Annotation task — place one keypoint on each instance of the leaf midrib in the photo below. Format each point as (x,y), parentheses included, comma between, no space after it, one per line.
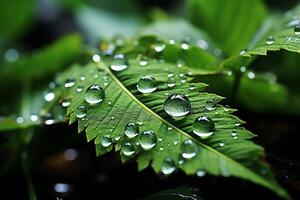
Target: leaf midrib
(104,67)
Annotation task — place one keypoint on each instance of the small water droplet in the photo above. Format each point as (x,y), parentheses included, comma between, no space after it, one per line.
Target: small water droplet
(226,108)
(147,139)
(167,93)
(161,148)
(229,73)
(270,40)
(192,87)
(251,75)
(203,44)
(172,41)
(160,139)
(203,127)
(297,29)
(119,63)
(180,63)
(143,62)
(49,96)
(210,105)
(189,149)
(94,94)
(112,118)
(146,84)
(170,128)
(117,138)
(20,120)
(200,173)
(128,149)
(221,144)
(81,112)
(34,118)
(171,83)
(82,78)
(131,130)
(176,142)
(79,88)
(184,46)
(96,58)
(243,52)
(106,141)
(65,103)
(170,75)
(177,105)
(243,69)
(48,119)
(70,82)
(11,55)
(168,166)
(159,47)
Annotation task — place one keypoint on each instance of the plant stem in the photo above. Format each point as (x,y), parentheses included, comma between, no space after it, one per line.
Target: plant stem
(236,85)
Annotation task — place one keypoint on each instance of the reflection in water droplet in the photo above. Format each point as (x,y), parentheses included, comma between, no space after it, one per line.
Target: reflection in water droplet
(106,141)
(81,112)
(119,63)
(177,105)
(270,40)
(131,130)
(210,105)
(128,149)
(146,84)
(94,94)
(203,127)
(168,166)
(70,82)
(189,149)
(147,139)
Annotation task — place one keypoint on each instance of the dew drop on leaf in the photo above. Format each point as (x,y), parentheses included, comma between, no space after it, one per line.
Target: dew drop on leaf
(20,120)
(177,105)
(94,94)
(49,96)
(128,149)
(146,84)
(143,62)
(48,119)
(96,58)
(210,105)
(79,88)
(270,40)
(119,63)
(168,166)
(106,141)
(81,112)
(65,103)
(70,82)
(203,127)
(200,173)
(147,139)
(34,118)
(297,29)
(131,130)
(189,149)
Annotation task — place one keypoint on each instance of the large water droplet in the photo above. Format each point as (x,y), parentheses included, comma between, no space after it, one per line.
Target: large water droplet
(189,149)
(177,105)
(70,82)
(210,105)
(297,29)
(270,40)
(106,141)
(131,130)
(128,149)
(146,84)
(81,112)
(94,94)
(147,140)
(203,127)
(168,166)
(119,63)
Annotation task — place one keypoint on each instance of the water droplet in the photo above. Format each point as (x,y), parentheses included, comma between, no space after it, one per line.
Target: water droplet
(65,103)
(221,144)
(106,141)
(128,149)
(20,120)
(202,44)
(184,46)
(11,55)
(251,75)
(172,41)
(189,149)
(131,130)
(49,96)
(82,78)
(176,142)
(70,82)
(94,94)
(159,47)
(161,148)
(203,127)
(180,63)
(70,154)
(167,93)
(160,139)
(243,52)
(200,173)
(96,58)
(168,166)
(170,128)
(171,83)
(117,138)
(48,119)
(79,88)
(119,63)
(147,139)
(146,84)
(297,29)
(34,118)
(192,87)
(210,105)
(143,62)
(243,69)
(177,105)
(234,133)
(81,112)
(270,40)
(226,108)
(140,123)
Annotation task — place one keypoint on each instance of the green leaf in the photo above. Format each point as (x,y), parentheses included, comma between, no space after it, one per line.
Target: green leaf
(44,62)
(220,154)
(278,32)
(231,23)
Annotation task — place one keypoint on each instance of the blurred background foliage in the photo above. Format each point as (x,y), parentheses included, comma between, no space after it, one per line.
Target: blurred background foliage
(38,38)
